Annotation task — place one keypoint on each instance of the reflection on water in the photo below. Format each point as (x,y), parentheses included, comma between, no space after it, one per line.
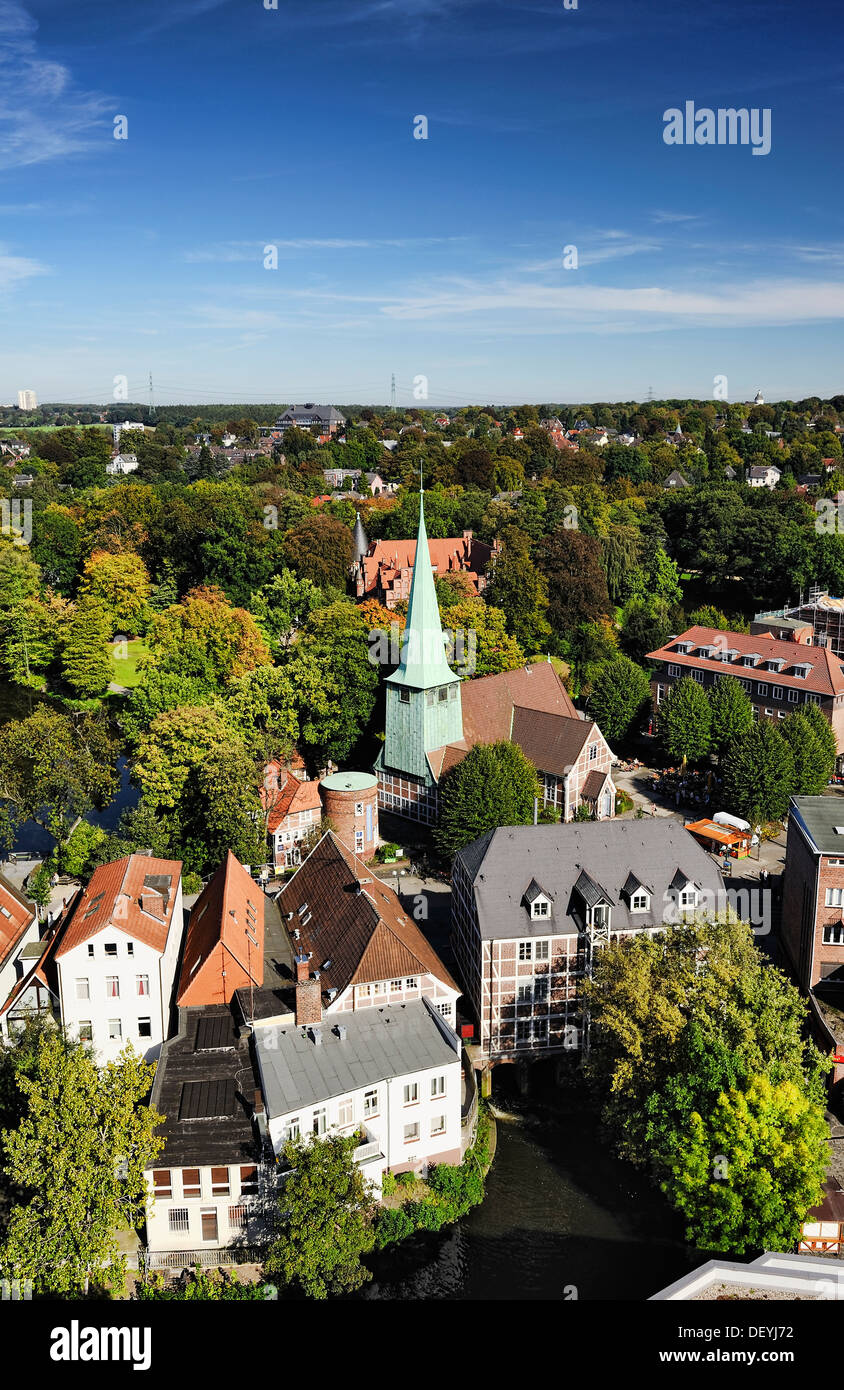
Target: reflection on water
(34,839)
(562,1217)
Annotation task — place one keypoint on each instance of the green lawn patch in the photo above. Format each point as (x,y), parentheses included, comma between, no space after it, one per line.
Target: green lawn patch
(126,664)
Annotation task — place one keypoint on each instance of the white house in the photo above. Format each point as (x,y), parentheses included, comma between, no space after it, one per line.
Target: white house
(122,463)
(763,475)
(391,1075)
(117,953)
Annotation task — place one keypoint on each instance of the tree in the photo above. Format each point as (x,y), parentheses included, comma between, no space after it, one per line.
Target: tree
(121,585)
(225,811)
(813,762)
(56,546)
(495,784)
(333,642)
(78,1157)
(283,605)
(53,769)
(620,695)
(326,1215)
(824,734)
(759,774)
(684,721)
(732,712)
(746,1174)
(520,591)
(86,661)
(482,646)
(173,750)
(577,589)
(320,549)
(204,636)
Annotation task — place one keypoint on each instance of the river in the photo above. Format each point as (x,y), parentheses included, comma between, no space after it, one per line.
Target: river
(562,1217)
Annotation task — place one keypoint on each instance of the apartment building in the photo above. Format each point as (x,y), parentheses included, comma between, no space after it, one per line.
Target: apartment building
(531,905)
(778,675)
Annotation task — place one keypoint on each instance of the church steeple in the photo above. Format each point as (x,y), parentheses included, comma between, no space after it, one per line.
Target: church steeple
(423,663)
(360,538)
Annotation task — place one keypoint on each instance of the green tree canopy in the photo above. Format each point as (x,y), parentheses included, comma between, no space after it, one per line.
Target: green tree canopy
(759,774)
(684,721)
(495,784)
(620,696)
(732,712)
(53,768)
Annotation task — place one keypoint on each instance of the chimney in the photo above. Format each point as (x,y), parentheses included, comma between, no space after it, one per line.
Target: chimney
(302,970)
(308,994)
(259,1101)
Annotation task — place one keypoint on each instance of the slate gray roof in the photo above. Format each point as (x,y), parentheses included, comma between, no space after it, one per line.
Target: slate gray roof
(600,854)
(818,816)
(379,1044)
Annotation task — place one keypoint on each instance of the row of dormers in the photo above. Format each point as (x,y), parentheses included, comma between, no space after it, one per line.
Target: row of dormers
(714,652)
(598,903)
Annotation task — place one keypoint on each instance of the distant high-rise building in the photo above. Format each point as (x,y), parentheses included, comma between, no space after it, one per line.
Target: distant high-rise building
(27,400)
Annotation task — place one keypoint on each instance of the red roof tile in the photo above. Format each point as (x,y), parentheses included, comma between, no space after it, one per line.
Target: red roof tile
(137,895)
(218,954)
(825,675)
(16,917)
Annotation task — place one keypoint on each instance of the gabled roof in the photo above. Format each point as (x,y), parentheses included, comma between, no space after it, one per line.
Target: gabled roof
(218,953)
(590,891)
(16,917)
(291,796)
(137,895)
(534,891)
(553,742)
(352,924)
(825,676)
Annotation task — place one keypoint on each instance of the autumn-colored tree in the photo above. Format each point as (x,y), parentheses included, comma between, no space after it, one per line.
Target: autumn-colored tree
(121,585)
(320,549)
(206,637)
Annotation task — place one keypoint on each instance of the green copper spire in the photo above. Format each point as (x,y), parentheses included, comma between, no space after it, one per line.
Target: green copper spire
(423,663)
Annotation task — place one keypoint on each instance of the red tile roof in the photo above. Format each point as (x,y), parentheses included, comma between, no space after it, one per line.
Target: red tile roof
(350,918)
(385,560)
(290,796)
(825,675)
(16,917)
(136,895)
(218,954)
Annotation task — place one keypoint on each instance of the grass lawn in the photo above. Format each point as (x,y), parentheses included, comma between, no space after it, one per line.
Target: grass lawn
(126,667)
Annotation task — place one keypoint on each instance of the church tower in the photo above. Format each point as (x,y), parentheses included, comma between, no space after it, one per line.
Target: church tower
(423,711)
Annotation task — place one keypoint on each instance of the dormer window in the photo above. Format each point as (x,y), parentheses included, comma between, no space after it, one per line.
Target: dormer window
(801,671)
(640,902)
(750,659)
(688,897)
(540,907)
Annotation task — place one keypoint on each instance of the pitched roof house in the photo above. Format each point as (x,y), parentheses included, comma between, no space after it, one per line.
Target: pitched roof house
(360,943)
(385,572)
(19,945)
(224,945)
(531,903)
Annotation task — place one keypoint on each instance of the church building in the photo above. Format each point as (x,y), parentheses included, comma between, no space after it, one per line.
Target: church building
(433,719)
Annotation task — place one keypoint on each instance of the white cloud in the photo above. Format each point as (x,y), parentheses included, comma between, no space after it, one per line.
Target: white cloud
(42,114)
(15,269)
(232,251)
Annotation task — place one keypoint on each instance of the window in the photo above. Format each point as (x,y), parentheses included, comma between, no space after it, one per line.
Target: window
(249,1178)
(130,948)
(320,1120)
(209,1224)
(688,897)
(776,691)
(291,1129)
(142,983)
(370,1103)
(411,982)
(763,689)
(380,987)
(220,1182)
(452,692)
(404,696)
(444,1010)
(438,1124)
(442,694)
(111,948)
(835,863)
(112,987)
(794,696)
(525,950)
(237,1218)
(524,994)
(345,1113)
(834,897)
(82,990)
(395,984)
(190,1183)
(86,1032)
(90,949)
(697,675)
(437,1086)
(144,1027)
(523,1032)
(115,1029)
(179,1219)
(833,935)
(769,713)
(540,988)
(674,670)
(411,1133)
(358,808)
(411,1093)
(593,752)
(540,950)
(429,697)
(162,1182)
(540,908)
(358,841)
(639,902)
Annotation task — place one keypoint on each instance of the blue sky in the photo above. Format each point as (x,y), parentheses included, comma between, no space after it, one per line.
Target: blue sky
(440,258)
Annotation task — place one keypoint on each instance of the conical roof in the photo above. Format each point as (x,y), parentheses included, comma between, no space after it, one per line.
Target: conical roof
(361,539)
(423,663)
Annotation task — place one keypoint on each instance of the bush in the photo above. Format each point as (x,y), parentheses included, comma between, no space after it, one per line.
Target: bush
(405,1179)
(388,1185)
(392,1224)
(191,883)
(623,802)
(388,851)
